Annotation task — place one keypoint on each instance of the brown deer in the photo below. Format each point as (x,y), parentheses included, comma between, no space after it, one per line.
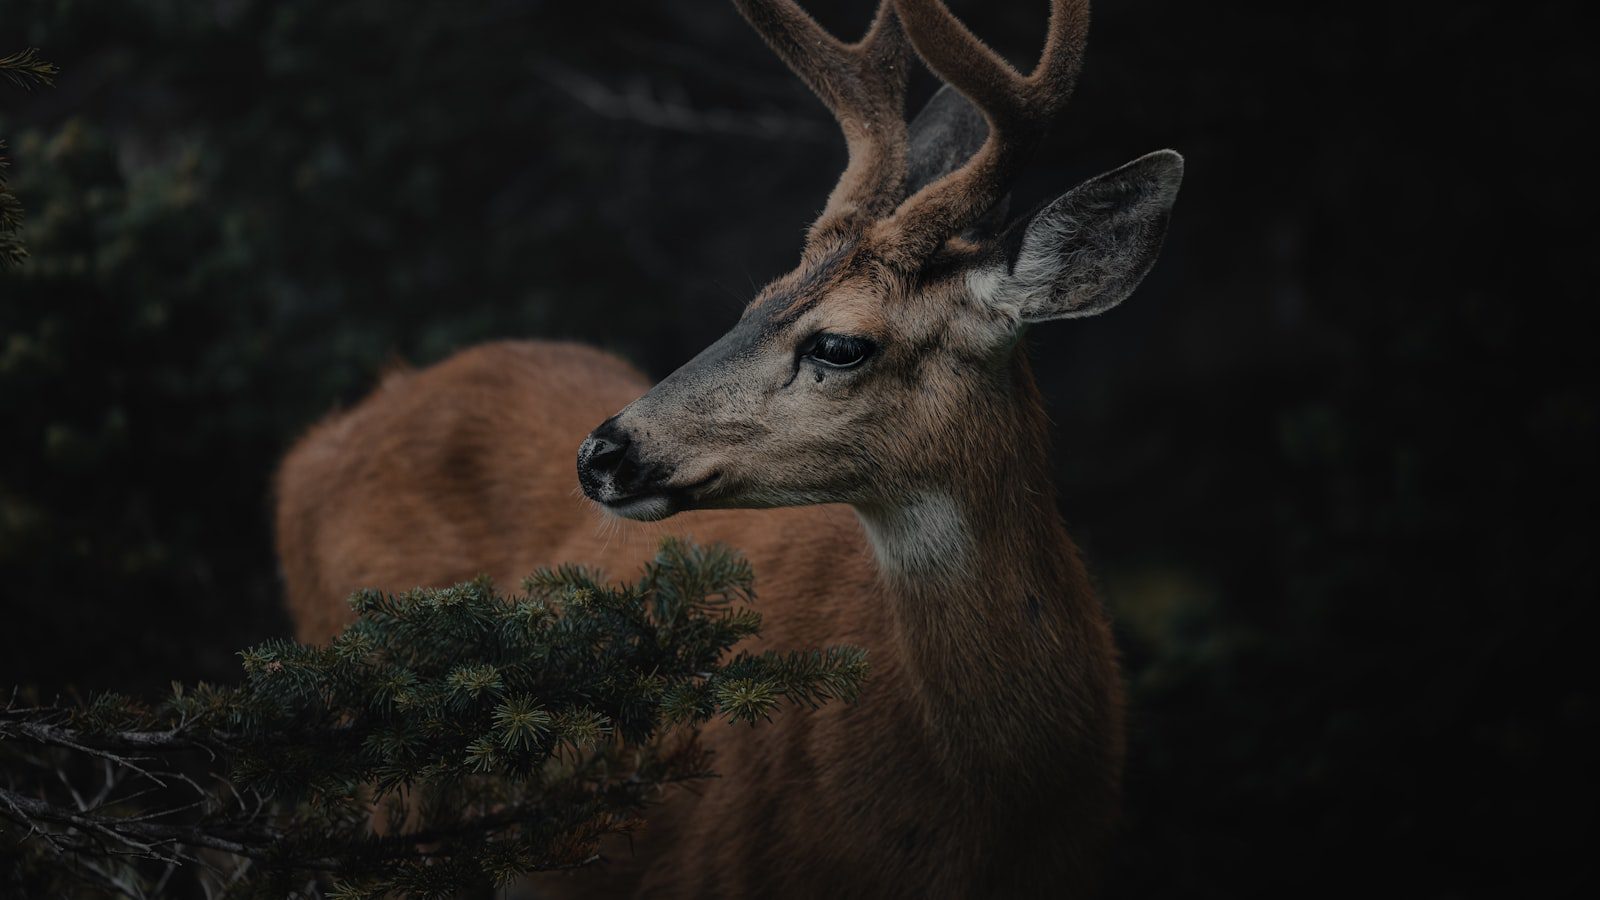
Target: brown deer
(876,405)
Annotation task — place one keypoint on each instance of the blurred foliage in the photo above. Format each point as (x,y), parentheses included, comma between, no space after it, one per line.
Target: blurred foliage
(489,737)
(1333,462)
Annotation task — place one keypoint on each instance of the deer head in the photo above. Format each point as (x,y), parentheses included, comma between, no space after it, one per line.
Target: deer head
(888,361)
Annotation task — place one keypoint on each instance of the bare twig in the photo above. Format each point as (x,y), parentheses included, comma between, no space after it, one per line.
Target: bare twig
(656,106)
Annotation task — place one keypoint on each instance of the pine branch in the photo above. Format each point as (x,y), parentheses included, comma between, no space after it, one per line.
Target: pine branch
(26,70)
(495,736)
(12,252)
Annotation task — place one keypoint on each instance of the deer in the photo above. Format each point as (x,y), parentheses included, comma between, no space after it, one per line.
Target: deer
(870,436)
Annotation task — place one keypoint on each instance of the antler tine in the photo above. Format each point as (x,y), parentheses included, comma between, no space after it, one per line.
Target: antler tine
(1018,108)
(862,84)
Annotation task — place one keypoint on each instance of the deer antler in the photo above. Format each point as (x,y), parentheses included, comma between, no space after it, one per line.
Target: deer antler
(1018,108)
(863,85)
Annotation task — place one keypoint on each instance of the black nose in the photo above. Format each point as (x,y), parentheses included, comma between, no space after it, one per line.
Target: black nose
(604,454)
(606,462)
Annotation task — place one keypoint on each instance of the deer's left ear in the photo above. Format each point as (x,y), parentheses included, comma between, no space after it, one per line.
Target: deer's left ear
(1088,250)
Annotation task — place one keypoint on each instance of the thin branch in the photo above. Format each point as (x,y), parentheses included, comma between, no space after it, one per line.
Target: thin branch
(62,737)
(138,835)
(643,104)
(113,741)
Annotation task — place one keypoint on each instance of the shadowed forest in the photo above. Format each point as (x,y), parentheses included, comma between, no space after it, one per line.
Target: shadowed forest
(1333,464)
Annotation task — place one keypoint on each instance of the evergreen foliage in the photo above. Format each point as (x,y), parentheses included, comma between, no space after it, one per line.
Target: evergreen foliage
(449,739)
(24,69)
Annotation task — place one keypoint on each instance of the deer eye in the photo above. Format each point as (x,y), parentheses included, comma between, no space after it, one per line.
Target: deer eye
(838,351)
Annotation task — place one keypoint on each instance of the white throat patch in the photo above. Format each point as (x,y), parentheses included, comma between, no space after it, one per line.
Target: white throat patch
(928,535)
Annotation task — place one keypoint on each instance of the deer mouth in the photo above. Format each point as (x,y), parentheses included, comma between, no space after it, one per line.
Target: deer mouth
(657,504)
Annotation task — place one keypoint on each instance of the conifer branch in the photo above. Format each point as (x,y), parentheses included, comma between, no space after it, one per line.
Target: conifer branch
(448,739)
(25,70)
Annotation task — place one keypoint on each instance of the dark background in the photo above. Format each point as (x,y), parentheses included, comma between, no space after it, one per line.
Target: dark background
(1333,464)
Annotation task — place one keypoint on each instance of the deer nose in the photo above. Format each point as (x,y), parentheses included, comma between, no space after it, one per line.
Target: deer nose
(604,465)
(603,454)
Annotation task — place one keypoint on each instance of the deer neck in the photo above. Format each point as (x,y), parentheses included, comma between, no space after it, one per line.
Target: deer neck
(1005,648)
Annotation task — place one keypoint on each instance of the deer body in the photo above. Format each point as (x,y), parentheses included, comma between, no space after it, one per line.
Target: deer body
(986,747)
(869,435)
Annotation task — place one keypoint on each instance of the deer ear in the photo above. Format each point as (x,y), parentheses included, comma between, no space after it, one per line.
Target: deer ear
(946,134)
(1088,250)
(942,137)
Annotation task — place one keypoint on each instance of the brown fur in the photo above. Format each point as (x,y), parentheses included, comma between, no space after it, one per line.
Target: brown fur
(863,85)
(1018,109)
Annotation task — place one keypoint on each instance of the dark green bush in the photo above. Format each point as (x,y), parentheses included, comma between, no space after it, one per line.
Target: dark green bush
(497,736)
